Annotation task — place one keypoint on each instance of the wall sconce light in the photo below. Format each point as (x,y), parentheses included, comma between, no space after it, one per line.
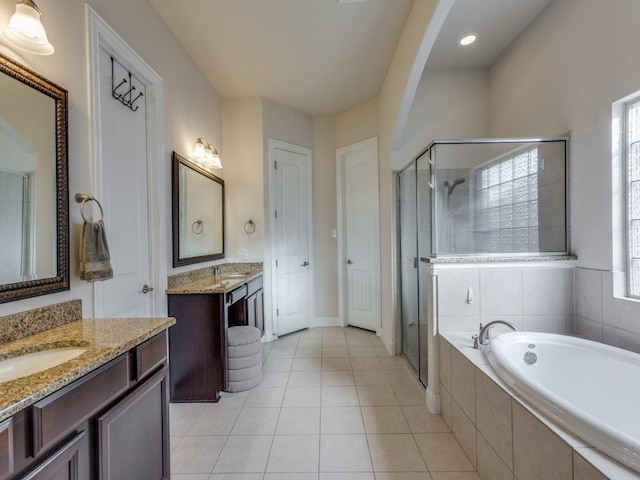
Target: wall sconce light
(25,29)
(207,152)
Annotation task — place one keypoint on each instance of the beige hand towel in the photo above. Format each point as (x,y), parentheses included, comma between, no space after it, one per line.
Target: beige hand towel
(95,261)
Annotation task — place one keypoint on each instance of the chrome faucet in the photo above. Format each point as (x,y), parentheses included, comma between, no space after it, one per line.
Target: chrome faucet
(483,337)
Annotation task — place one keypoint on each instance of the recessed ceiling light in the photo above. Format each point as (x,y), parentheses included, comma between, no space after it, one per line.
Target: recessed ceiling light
(468,39)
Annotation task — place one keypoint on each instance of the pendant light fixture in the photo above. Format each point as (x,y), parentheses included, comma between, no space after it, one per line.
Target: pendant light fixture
(25,29)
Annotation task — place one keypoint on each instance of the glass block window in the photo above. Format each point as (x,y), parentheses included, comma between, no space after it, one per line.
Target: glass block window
(506,207)
(633,196)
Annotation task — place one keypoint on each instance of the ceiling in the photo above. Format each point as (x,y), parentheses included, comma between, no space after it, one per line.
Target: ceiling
(322,57)
(316,56)
(498,24)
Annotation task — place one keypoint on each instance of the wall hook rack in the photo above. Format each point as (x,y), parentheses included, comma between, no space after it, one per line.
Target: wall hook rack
(127,92)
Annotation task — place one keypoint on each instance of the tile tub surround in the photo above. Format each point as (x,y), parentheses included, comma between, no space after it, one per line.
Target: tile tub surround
(602,313)
(509,439)
(104,340)
(207,273)
(535,296)
(23,324)
(324,411)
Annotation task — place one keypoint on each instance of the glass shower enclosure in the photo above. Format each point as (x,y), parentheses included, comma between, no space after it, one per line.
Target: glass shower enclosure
(470,198)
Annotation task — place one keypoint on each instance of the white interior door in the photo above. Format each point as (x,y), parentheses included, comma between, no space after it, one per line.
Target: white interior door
(292,238)
(124,197)
(129,168)
(361,234)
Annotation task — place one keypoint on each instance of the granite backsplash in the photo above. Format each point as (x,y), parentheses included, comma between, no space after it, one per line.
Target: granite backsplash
(23,324)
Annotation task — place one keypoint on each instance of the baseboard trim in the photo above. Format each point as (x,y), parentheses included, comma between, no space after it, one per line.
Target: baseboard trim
(268,336)
(388,343)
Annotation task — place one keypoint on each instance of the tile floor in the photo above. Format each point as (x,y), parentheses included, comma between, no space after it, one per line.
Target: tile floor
(332,405)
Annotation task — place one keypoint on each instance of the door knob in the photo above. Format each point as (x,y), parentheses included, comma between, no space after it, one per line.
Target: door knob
(146,289)
(349,262)
(305,264)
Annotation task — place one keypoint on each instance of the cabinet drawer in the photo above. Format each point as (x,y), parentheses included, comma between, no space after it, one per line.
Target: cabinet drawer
(6,448)
(237,294)
(254,285)
(151,354)
(61,412)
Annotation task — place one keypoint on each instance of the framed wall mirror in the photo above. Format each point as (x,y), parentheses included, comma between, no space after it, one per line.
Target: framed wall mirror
(34,192)
(198,213)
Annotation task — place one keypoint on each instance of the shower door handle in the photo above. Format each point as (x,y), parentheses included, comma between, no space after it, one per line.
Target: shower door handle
(432,182)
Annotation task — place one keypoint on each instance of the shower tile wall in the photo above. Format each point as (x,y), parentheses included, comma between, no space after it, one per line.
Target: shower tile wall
(551,198)
(532,298)
(454,216)
(602,317)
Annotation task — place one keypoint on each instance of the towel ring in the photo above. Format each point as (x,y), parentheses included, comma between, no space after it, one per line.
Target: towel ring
(197,227)
(249,227)
(82,199)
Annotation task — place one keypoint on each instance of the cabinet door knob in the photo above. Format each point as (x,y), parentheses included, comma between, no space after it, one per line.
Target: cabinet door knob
(146,289)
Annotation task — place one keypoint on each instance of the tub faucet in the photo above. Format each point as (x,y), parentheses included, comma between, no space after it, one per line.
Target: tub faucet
(485,332)
(476,344)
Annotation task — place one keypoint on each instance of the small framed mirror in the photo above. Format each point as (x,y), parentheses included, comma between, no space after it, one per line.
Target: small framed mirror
(34,192)
(198,213)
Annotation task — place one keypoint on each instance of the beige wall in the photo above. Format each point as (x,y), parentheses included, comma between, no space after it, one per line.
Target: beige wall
(356,124)
(192,107)
(244,185)
(325,219)
(391,102)
(561,76)
(448,104)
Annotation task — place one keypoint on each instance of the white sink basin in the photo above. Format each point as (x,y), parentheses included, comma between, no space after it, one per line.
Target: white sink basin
(31,363)
(235,275)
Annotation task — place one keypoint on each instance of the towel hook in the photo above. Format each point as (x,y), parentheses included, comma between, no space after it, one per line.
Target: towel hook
(83,198)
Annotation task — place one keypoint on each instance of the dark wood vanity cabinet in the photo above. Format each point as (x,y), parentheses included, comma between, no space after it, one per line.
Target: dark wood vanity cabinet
(254,304)
(131,439)
(198,340)
(111,424)
(197,345)
(69,462)
(6,448)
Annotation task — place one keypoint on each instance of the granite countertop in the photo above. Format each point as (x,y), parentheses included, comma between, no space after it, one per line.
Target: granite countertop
(104,339)
(222,283)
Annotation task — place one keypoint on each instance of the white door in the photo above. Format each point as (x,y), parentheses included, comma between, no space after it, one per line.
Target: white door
(292,238)
(129,175)
(123,176)
(361,234)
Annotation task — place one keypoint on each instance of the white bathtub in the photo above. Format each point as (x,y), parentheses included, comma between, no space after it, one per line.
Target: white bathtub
(591,389)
